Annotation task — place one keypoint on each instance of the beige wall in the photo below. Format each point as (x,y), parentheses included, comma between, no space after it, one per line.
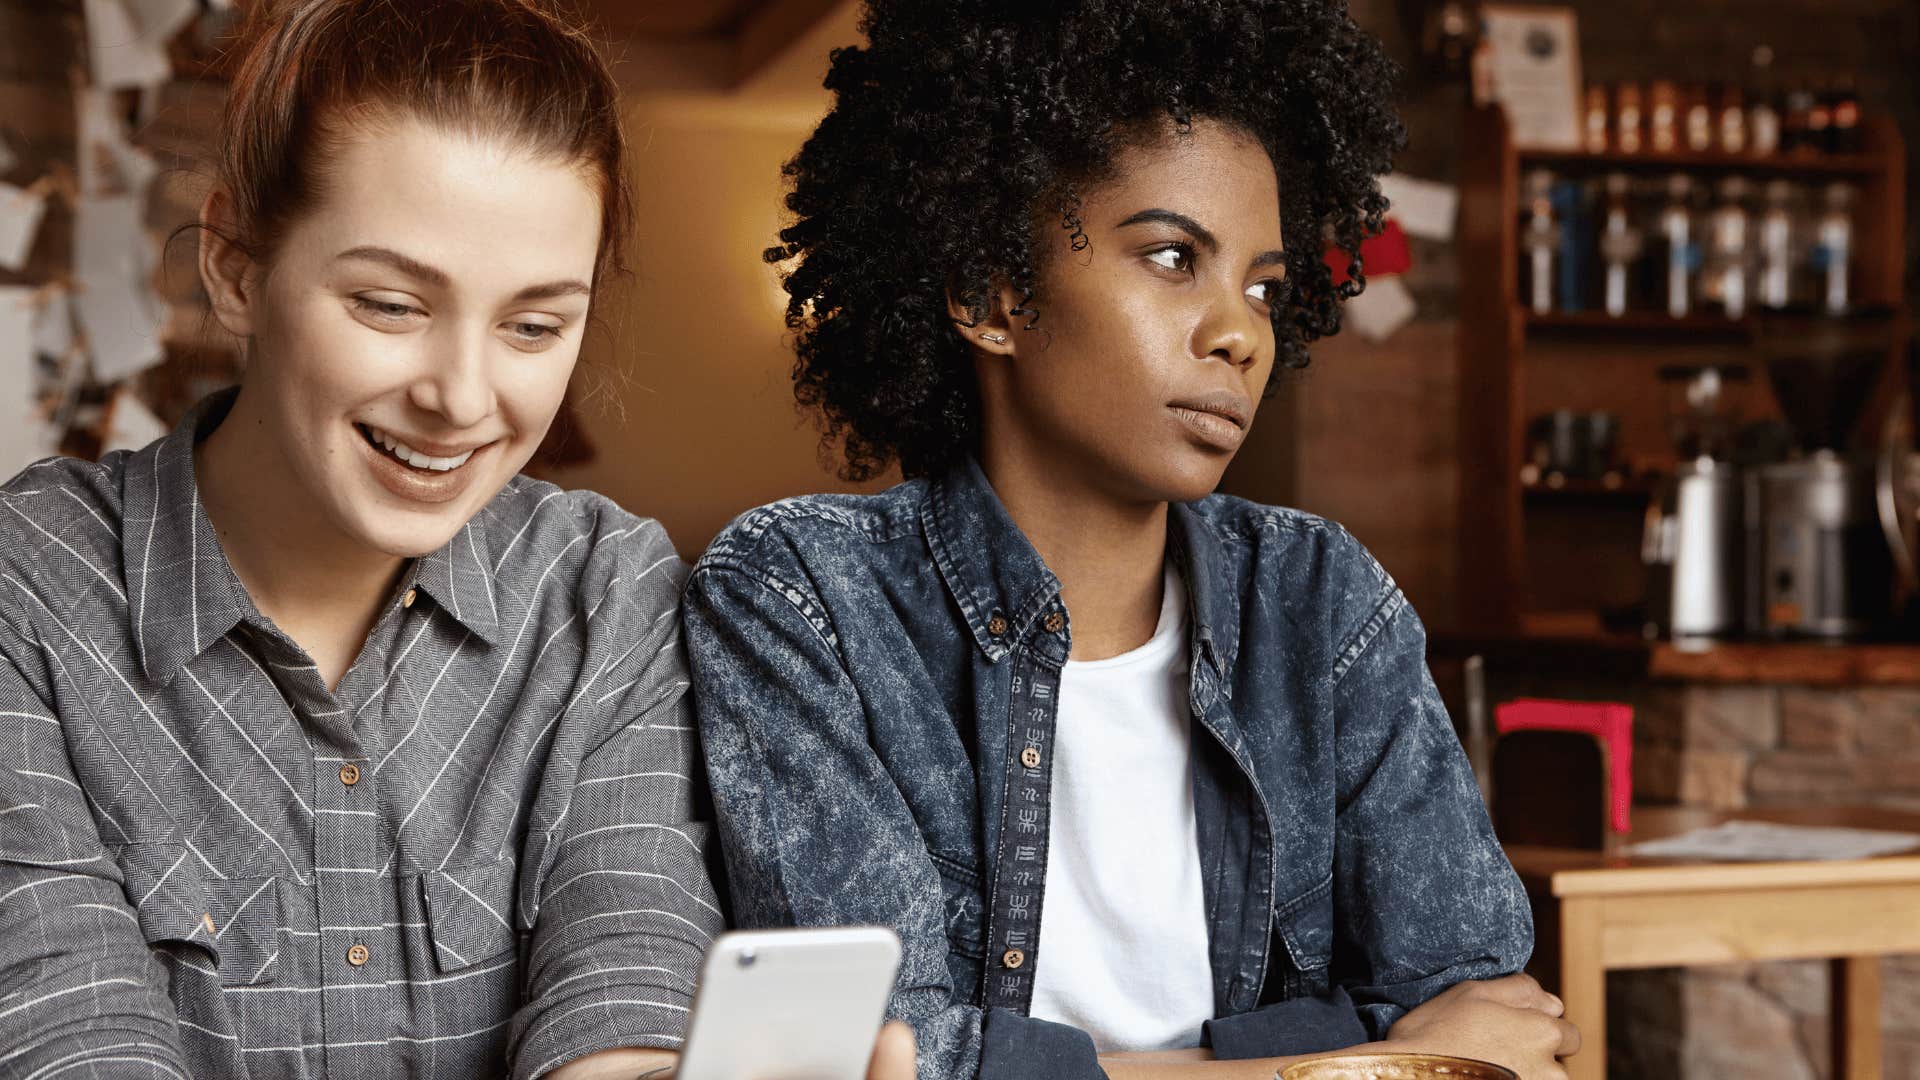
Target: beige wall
(700,422)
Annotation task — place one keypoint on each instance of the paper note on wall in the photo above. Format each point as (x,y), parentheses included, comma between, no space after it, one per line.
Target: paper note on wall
(159,20)
(109,164)
(23,439)
(20,215)
(121,55)
(53,325)
(113,260)
(1384,307)
(1423,208)
(130,424)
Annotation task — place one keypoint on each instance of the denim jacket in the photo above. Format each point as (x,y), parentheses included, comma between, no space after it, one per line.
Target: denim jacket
(875,683)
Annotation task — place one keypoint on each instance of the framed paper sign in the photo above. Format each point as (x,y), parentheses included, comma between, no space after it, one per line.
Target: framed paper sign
(1532,58)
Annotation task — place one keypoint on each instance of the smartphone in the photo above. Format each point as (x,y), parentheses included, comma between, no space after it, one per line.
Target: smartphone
(790,1004)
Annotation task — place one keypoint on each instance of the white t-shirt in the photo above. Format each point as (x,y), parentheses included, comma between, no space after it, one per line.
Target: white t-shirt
(1123,932)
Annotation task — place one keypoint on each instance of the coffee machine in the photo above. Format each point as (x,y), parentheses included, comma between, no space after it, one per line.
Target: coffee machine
(1818,559)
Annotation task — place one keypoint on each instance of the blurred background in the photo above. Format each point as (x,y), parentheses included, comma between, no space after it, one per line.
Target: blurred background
(1624,408)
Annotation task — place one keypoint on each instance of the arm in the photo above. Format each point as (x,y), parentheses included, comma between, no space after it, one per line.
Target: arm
(78,986)
(814,828)
(1424,896)
(626,909)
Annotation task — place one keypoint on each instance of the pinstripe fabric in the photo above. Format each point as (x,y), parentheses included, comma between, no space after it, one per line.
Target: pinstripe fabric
(184,873)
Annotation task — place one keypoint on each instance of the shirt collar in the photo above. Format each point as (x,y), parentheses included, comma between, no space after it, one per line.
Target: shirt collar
(991,569)
(994,572)
(184,594)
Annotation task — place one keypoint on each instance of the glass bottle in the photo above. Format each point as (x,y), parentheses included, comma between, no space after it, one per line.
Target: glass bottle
(1774,287)
(1726,275)
(1680,257)
(1833,247)
(1539,241)
(1620,244)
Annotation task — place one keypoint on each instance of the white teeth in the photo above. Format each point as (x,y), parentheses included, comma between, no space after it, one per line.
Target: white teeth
(414,457)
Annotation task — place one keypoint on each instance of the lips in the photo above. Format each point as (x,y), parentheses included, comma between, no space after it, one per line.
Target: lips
(1218,419)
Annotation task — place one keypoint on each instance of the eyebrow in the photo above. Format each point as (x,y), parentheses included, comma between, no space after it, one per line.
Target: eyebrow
(420,271)
(1200,233)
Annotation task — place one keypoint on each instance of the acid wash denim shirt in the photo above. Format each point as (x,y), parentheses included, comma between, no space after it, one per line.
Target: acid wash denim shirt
(875,683)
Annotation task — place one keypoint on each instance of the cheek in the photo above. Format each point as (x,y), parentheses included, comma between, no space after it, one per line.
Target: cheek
(530,389)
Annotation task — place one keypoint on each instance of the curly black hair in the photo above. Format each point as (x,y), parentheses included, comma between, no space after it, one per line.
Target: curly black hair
(966,127)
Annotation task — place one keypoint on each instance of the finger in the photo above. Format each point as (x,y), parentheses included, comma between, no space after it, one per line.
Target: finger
(1569,1039)
(1517,991)
(893,1053)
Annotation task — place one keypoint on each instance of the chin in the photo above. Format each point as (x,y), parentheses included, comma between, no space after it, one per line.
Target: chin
(1184,476)
(407,535)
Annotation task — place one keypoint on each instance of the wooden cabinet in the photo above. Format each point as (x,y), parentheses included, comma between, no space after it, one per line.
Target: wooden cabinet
(1529,551)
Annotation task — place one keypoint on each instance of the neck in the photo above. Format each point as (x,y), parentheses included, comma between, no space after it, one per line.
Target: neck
(321,588)
(1108,552)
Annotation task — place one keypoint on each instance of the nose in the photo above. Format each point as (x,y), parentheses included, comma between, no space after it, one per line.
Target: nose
(456,383)
(1230,329)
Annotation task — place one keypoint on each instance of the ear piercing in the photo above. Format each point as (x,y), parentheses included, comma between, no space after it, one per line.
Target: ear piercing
(997,339)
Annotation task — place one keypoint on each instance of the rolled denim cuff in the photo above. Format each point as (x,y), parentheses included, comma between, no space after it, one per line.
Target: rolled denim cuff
(1015,1047)
(1301,1026)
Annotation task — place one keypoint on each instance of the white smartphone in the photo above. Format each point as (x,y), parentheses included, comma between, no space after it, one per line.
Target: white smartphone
(790,1004)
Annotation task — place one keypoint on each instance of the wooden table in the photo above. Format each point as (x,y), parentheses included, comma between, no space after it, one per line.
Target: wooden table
(1598,912)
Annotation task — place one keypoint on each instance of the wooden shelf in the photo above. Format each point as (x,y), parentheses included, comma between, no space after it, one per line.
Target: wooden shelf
(1634,489)
(1637,324)
(1795,164)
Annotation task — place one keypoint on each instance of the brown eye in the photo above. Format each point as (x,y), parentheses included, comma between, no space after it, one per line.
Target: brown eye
(1176,257)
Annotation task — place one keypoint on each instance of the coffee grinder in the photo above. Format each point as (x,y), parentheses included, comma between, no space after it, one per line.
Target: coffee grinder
(1819,564)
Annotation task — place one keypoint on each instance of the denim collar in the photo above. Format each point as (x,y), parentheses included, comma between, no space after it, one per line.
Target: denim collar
(993,571)
(182,590)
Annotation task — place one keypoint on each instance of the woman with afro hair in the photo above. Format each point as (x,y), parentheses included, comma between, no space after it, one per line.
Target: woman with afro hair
(1150,781)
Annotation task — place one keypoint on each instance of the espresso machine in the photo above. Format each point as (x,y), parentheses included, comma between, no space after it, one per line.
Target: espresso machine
(1820,555)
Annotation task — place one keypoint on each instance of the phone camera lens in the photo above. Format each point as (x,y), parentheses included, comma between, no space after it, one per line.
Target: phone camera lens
(747,957)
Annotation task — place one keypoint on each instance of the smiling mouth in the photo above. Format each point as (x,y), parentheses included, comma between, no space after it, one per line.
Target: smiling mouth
(407,455)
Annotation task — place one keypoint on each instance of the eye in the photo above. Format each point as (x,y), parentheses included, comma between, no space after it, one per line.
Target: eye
(530,336)
(1270,291)
(1175,257)
(386,311)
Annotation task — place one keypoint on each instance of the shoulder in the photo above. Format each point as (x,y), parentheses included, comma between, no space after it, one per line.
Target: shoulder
(60,531)
(794,534)
(1308,564)
(537,532)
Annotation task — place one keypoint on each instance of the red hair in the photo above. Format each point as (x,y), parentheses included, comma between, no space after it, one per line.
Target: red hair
(513,70)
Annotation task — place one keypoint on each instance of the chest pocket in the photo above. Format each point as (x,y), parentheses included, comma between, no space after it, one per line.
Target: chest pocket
(184,909)
(1304,926)
(470,912)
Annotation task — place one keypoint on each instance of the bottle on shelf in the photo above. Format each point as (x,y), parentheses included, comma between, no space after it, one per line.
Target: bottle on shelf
(1819,119)
(1774,286)
(1699,118)
(1539,239)
(1796,133)
(1663,114)
(1844,106)
(1620,244)
(1628,116)
(1725,284)
(1679,254)
(1833,247)
(1763,111)
(1596,119)
(1731,128)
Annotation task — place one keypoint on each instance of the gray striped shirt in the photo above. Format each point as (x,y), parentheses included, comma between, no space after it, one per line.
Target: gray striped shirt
(475,857)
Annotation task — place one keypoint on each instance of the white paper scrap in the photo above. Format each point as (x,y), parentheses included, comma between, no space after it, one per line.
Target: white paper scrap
(108,161)
(53,326)
(1760,841)
(113,260)
(23,440)
(1422,207)
(1381,309)
(122,56)
(20,214)
(130,424)
(159,20)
